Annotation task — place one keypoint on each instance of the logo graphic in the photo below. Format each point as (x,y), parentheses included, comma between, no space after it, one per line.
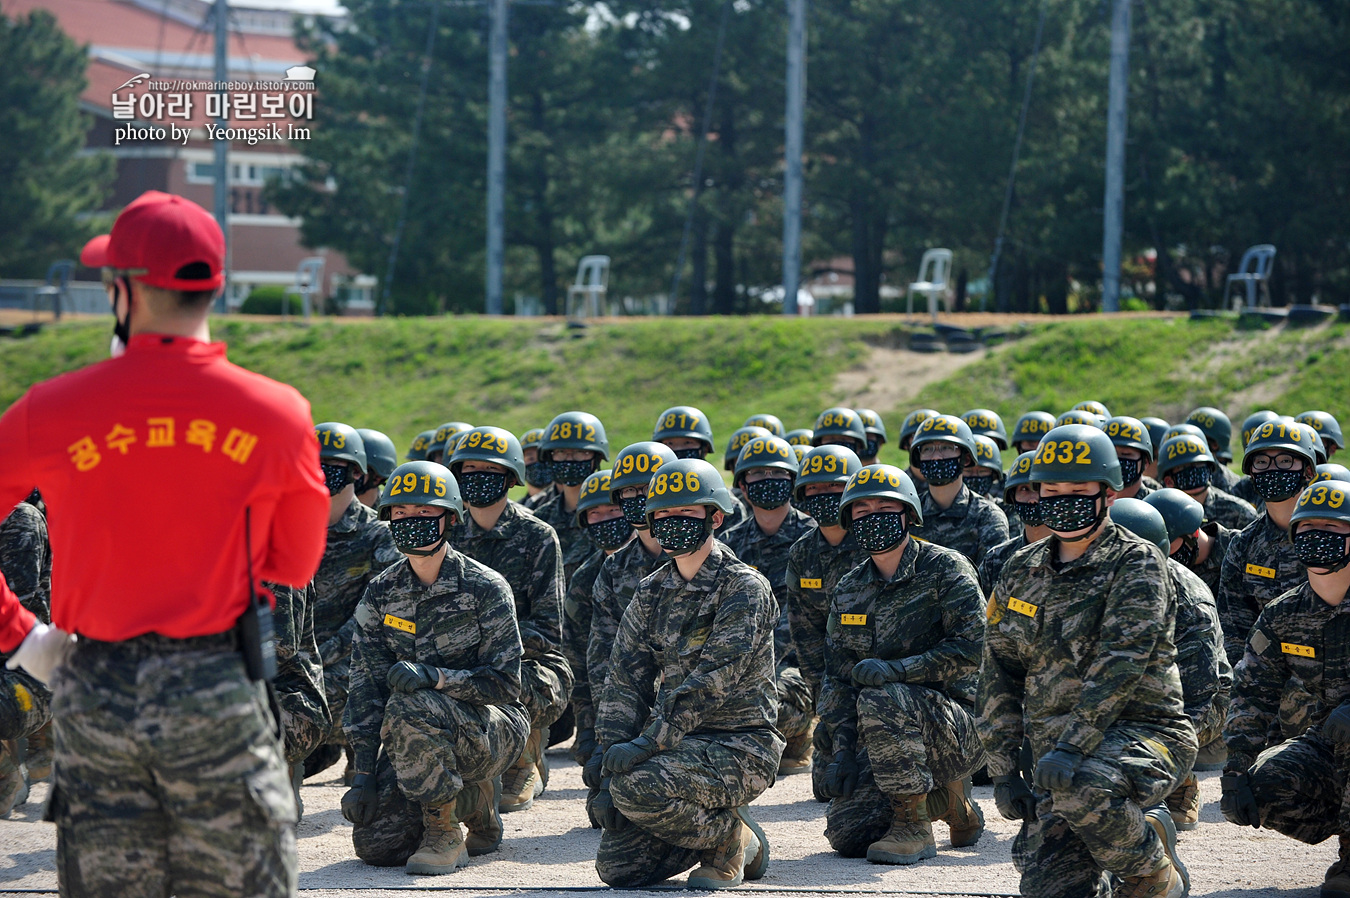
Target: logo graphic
(134,81)
(300,73)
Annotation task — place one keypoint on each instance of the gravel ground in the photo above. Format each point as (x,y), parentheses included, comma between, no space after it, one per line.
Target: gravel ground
(550,850)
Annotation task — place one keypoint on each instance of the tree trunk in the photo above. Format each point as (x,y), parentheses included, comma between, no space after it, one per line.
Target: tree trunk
(724,287)
(698,278)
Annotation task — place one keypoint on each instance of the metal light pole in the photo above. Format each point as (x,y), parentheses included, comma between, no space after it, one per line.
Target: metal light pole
(1113,210)
(221,168)
(792,178)
(496,172)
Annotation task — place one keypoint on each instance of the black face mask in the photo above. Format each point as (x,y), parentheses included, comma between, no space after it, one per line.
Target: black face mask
(769,493)
(824,507)
(880,531)
(611,534)
(1195,478)
(572,473)
(691,453)
(681,535)
(1131,469)
(1067,514)
(418,535)
(539,474)
(1031,513)
(1278,486)
(635,511)
(1187,552)
(336,477)
(482,488)
(873,447)
(981,485)
(1322,549)
(940,471)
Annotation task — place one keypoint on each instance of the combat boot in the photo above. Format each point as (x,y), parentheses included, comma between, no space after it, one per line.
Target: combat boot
(797,756)
(953,805)
(39,758)
(541,757)
(743,856)
(521,784)
(1184,804)
(1337,883)
(13,782)
(477,807)
(1170,880)
(442,849)
(910,838)
(1212,756)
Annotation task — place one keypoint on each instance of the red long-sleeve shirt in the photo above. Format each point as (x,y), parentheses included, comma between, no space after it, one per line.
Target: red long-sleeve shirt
(15,620)
(147,463)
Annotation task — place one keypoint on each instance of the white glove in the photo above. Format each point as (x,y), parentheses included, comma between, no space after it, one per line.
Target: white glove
(42,651)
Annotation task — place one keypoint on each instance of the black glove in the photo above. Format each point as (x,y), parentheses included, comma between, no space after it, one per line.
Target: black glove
(1014,798)
(875,672)
(593,772)
(1337,725)
(585,746)
(1238,804)
(608,815)
(1056,767)
(532,640)
(625,756)
(360,802)
(841,774)
(405,676)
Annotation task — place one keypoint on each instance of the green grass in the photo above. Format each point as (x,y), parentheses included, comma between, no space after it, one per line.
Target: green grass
(407,375)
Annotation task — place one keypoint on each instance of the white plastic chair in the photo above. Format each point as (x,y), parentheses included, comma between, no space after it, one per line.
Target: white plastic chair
(933,270)
(590,288)
(1254,275)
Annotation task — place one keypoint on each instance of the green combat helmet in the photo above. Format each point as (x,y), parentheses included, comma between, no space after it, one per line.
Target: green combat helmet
(1076,453)
(1332,472)
(340,447)
(441,444)
(1080,416)
(841,424)
(824,464)
(1093,406)
(687,423)
(802,436)
(381,456)
(490,444)
(1030,428)
(1327,427)
(1142,519)
(421,483)
(767,452)
(880,482)
(1255,420)
(574,430)
(537,473)
(771,423)
(1182,514)
(985,422)
(418,450)
(738,440)
(1131,433)
(686,481)
(1217,428)
(1186,449)
(595,492)
(1157,431)
(911,424)
(633,468)
(875,429)
(987,455)
(1177,430)
(1322,549)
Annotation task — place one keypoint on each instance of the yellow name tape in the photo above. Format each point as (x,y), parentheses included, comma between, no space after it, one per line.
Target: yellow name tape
(399,623)
(853,620)
(1022,607)
(1305,651)
(808,583)
(1267,572)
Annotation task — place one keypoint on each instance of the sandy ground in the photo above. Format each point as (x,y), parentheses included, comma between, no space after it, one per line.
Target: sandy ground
(550,850)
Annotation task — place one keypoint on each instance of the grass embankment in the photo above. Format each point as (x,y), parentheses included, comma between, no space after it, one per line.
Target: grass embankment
(407,375)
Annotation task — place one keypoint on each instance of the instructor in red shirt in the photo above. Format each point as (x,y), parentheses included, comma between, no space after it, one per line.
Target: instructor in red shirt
(169,776)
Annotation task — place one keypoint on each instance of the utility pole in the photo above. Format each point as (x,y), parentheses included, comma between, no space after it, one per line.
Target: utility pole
(221,168)
(792,176)
(1113,209)
(496,169)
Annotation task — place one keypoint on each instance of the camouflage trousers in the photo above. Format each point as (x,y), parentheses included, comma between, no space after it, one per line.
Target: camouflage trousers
(168,774)
(303,727)
(25,708)
(336,677)
(1098,822)
(911,740)
(433,745)
(680,803)
(544,690)
(1303,788)
(796,709)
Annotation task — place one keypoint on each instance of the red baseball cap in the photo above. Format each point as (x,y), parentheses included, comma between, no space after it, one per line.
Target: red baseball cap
(160,234)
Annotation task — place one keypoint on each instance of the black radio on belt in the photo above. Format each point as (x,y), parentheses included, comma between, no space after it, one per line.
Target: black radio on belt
(256,635)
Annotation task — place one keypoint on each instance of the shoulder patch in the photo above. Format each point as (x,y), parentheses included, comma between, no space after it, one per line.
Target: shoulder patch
(363,614)
(1259,642)
(992,612)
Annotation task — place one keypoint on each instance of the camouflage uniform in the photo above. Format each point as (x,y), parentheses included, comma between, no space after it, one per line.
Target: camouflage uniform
(577,615)
(769,556)
(1225,478)
(1245,489)
(216,746)
(1301,784)
(1258,567)
(972,524)
(525,551)
(435,741)
(912,737)
(1206,675)
(692,668)
(359,547)
(738,514)
(25,703)
(1082,653)
(1210,569)
(539,498)
(305,720)
(1228,509)
(618,580)
(576,546)
(991,566)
